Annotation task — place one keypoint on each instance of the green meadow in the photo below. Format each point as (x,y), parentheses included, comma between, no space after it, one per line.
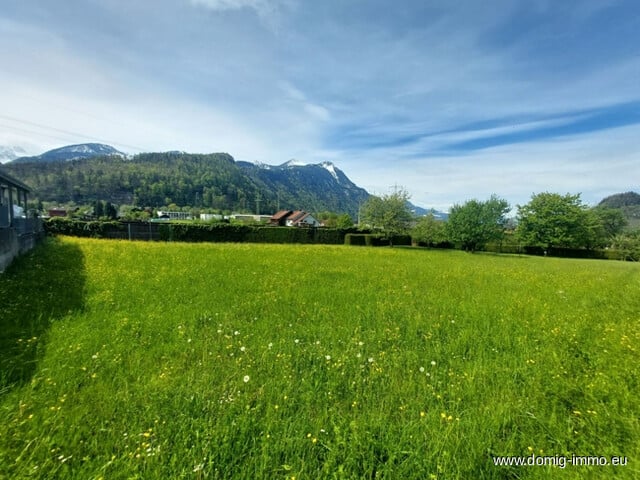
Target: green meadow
(132,360)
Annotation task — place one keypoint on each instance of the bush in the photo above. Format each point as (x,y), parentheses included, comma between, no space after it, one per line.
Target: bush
(78,228)
(198,232)
(368,239)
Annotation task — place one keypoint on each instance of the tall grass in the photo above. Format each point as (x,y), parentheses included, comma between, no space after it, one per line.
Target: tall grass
(154,360)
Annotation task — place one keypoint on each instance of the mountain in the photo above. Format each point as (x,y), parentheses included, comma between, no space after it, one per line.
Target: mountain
(628,203)
(619,200)
(10,153)
(73,152)
(314,187)
(212,181)
(85,173)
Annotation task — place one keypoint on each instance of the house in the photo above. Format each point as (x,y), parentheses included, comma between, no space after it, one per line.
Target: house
(297,218)
(174,215)
(208,217)
(278,219)
(57,212)
(18,232)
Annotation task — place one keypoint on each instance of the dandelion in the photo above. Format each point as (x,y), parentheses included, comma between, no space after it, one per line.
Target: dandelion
(245,379)
(242,349)
(328,357)
(433,363)
(236,332)
(370,360)
(421,369)
(296,341)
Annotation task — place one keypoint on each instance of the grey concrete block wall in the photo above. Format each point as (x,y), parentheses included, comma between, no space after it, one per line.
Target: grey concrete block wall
(9,247)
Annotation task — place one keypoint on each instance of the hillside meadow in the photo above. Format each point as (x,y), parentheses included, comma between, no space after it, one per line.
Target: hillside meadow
(132,360)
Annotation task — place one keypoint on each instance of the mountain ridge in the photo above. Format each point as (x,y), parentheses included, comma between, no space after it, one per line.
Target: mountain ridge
(69,174)
(72,152)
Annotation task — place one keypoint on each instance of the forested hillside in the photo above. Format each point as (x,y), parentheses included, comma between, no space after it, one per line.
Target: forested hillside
(213,181)
(628,203)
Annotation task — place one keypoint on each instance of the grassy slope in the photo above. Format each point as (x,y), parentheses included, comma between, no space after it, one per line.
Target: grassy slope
(389,363)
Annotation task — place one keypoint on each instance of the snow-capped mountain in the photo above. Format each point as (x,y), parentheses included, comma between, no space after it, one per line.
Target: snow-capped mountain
(293,163)
(74,152)
(316,184)
(11,153)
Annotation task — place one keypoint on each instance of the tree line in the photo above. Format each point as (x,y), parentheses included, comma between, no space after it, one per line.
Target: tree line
(548,221)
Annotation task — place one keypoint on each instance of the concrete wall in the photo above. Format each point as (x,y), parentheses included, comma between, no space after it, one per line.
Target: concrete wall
(12,244)
(9,247)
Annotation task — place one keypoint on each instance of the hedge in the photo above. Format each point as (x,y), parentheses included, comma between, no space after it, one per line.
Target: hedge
(376,239)
(195,232)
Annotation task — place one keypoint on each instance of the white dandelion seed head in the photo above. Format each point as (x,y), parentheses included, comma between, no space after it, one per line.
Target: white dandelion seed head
(245,379)
(421,369)
(433,363)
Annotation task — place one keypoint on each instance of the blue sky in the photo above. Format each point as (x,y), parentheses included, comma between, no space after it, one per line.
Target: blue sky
(451,99)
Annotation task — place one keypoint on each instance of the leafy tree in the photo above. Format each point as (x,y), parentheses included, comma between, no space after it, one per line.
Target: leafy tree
(110,211)
(391,213)
(612,220)
(98,209)
(628,245)
(475,223)
(429,231)
(554,220)
(344,221)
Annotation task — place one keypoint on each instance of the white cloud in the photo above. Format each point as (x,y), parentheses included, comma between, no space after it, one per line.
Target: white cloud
(269,11)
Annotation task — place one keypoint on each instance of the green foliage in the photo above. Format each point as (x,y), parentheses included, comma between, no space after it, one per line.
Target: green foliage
(80,228)
(429,231)
(376,240)
(366,239)
(627,246)
(213,181)
(390,213)
(335,220)
(620,200)
(554,220)
(612,221)
(198,232)
(475,223)
(152,360)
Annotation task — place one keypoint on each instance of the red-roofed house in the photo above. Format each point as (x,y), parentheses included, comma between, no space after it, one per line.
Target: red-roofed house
(298,218)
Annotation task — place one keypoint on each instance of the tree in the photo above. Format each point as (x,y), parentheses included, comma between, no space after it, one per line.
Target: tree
(98,209)
(628,245)
(554,220)
(612,220)
(391,213)
(344,221)
(110,211)
(429,231)
(475,223)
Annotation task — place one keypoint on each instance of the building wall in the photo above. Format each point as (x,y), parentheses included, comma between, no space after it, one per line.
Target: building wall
(9,247)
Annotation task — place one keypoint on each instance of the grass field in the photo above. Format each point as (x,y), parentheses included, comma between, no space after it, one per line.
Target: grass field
(153,360)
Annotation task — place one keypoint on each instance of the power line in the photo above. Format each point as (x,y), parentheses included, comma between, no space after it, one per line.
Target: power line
(65,132)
